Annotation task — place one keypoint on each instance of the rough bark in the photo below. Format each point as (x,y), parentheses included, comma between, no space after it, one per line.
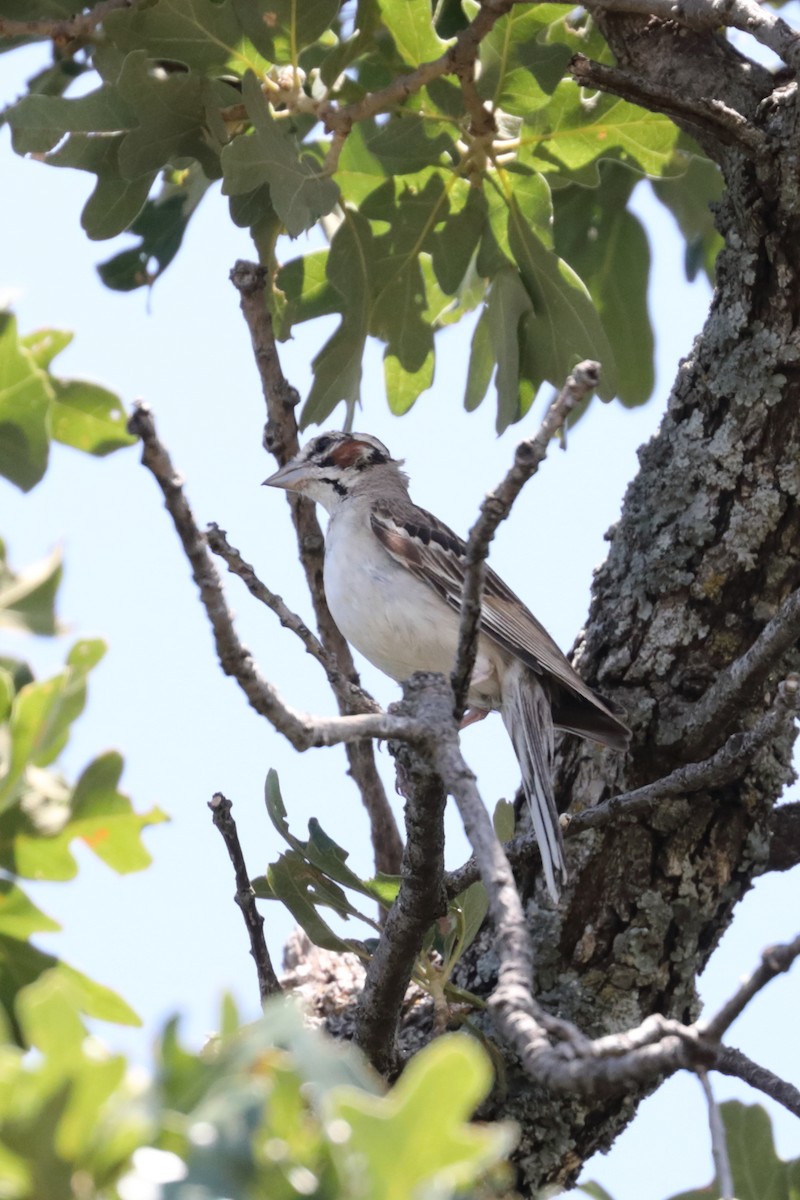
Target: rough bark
(704,554)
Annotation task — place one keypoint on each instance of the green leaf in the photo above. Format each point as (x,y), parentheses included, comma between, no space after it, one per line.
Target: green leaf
(115,201)
(296,886)
(203,34)
(408,367)
(519,69)
(35,840)
(411,26)
(41,716)
(19,916)
(406,143)
(27,599)
(160,227)
(89,418)
(390,1135)
(508,303)
(504,820)
(565,327)
(758,1172)
(21,964)
(177,116)
(44,344)
(25,395)
(573,132)
(350,269)
(482,362)
(39,122)
(300,192)
(689,197)
(608,247)
(280,29)
(455,243)
(307,291)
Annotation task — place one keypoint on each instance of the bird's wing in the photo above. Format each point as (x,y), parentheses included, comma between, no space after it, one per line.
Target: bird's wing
(434,554)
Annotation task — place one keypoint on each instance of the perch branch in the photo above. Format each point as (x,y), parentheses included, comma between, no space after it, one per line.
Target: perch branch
(774,961)
(420,901)
(280,439)
(723,700)
(496,507)
(730,1061)
(268,984)
(78,26)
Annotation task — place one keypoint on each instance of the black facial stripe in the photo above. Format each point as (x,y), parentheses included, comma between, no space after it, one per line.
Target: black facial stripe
(336,484)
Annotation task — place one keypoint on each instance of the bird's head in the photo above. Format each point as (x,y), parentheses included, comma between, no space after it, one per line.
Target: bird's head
(334,466)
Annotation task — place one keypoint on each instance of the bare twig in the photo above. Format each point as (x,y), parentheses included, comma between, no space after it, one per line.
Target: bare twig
(217,539)
(774,961)
(79,26)
(496,507)
(268,984)
(420,901)
(730,1061)
(721,703)
(719,1142)
(704,112)
(707,15)
(280,439)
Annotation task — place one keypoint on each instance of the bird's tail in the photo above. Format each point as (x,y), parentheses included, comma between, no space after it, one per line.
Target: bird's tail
(529,721)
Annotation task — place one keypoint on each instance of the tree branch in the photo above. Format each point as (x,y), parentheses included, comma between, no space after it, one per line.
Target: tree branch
(78,26)
(719,1142)
(217,539)
(707,15)
(721,703)
(730,1061)
(727,764)
(268,984)
(420,901)
(774,961)
(280,439)
(709,114)
(496,507)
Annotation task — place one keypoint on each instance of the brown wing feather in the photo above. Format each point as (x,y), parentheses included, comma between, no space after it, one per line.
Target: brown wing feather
(434,554)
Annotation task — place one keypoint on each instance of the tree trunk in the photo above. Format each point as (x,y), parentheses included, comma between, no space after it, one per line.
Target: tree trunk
(704,554)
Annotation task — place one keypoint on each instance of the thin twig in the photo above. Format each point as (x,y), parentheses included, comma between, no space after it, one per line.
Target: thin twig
(217,539)
(730,1061)
(280,439)
(268,984)
(774,961)
(719,1142)
(420,901)
(57,28)
(496,507)
(722,702)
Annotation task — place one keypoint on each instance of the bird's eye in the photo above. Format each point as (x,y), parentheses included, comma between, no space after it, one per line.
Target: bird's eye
(322,444)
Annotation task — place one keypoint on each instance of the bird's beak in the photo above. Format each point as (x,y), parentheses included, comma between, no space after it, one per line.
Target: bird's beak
(291,476)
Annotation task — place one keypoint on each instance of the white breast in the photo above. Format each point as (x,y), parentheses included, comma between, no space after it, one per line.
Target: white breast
(397,622)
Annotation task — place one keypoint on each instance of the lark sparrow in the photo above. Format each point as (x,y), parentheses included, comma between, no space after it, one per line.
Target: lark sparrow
(393,576)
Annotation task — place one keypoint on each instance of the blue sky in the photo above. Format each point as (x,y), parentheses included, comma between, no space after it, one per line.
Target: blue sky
(171,939)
